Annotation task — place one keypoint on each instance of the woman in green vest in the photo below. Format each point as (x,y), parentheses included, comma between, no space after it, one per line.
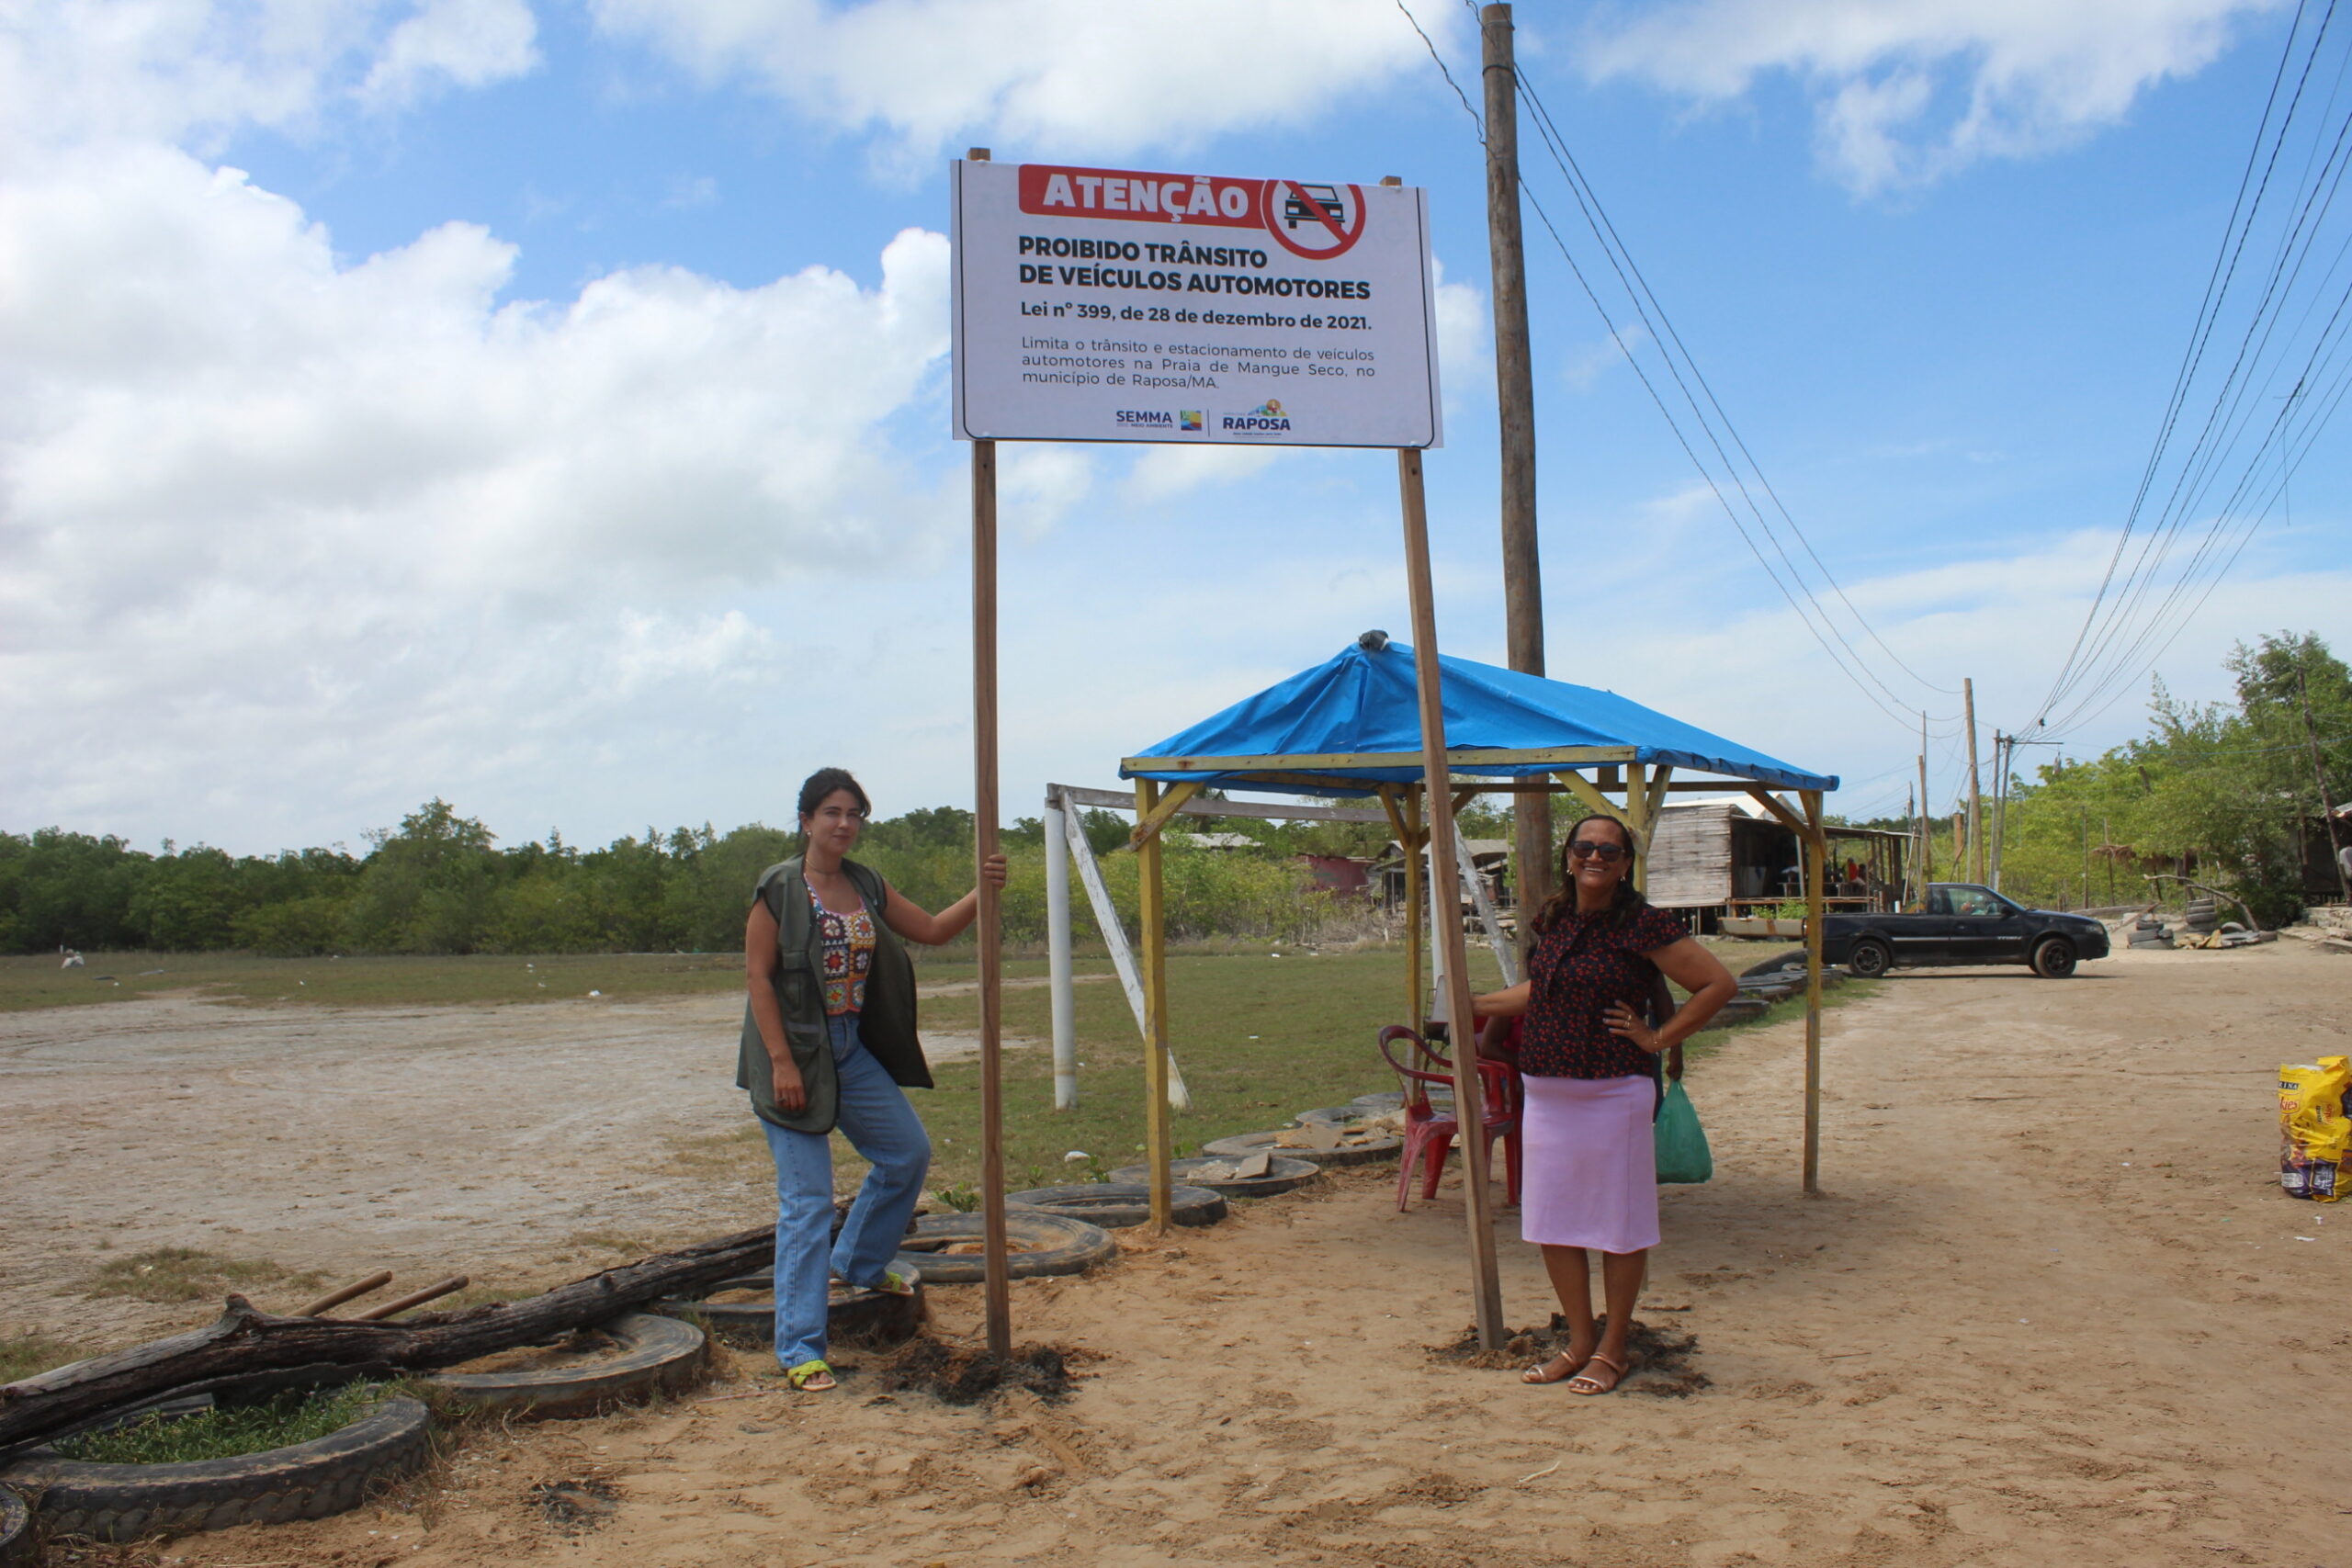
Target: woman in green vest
(829,1041)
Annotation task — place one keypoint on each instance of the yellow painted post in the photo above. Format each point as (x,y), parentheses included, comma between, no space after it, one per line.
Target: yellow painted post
(1815,847)
(1637,818)
(1153,916)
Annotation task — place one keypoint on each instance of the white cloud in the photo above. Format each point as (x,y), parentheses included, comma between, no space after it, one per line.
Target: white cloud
(1731,665)
(1907,91)
(467,44)
(1048,76)
(1164,471)
(257,501)
(1588,363)
(78,71)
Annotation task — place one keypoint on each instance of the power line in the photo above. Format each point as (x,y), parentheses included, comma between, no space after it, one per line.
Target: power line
(1789,579)
(2133,620)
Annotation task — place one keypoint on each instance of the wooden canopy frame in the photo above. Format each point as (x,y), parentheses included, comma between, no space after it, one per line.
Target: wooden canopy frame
(1640,792)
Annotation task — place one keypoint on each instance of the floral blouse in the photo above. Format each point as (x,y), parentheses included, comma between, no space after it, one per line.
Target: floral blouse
(1578,967)
(845,945)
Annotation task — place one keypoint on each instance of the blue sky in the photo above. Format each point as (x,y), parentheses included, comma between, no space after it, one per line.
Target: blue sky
(546,407)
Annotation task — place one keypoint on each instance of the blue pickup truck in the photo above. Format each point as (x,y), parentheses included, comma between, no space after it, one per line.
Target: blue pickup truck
(1962,923)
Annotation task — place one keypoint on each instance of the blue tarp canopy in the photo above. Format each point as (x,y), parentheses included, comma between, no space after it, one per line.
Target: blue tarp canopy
(1353,723)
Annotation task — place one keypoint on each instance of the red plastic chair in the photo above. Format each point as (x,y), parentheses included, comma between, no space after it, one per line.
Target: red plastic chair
(1429,1135)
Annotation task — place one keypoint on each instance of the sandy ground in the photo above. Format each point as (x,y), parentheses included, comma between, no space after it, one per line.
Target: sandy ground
(2052,1310)
(498,1141)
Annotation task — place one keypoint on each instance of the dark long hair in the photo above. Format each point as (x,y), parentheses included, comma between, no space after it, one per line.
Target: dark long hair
(822,783)
(1563,902)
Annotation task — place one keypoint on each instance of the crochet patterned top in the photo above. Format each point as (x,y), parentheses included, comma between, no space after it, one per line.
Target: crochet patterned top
(1577,970)
(845,944)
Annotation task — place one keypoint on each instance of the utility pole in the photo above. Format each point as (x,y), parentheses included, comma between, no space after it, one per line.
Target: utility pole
(2319,778)
(1515,409)
(2003,746)
(1926,828)
(1975,798)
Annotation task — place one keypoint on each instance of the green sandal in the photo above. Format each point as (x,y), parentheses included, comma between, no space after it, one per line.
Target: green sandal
(811,1377)
(897,1281)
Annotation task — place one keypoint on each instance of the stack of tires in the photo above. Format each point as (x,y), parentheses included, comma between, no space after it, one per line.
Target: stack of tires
(2203,916)
(2150,932)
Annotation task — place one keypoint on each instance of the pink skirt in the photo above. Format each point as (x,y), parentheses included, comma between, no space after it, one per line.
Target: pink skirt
(1591,1163)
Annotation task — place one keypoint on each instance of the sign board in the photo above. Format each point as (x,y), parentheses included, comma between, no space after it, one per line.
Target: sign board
(1117,305)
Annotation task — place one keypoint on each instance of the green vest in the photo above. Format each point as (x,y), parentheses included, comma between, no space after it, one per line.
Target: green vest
(885,1026)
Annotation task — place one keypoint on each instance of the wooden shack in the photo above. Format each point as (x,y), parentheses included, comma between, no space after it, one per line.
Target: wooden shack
(1720,857)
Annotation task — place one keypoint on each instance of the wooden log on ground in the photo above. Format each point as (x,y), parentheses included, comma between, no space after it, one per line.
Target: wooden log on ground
(246,1342)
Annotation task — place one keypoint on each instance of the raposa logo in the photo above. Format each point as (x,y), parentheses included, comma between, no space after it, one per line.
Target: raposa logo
(1160,417)
(1267,417)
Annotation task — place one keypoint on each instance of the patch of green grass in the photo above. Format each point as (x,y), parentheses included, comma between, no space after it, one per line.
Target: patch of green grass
(1315,1019)
(293,1418)
(25,1354)
(189,1274)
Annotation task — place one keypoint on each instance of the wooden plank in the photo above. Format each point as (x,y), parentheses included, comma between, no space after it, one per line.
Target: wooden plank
(1636,817)
(1468,1093)
(1815,843)
(1125,800)
(1586,792)
(988,925)
(1309,762)
(1779,808)
(243,1342)
(1155,1001)
(1390,804)
(1170,804)
(1690,859)
(1660,783)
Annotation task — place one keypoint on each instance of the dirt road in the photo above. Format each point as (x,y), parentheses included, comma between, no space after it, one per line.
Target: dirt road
(2052,1310)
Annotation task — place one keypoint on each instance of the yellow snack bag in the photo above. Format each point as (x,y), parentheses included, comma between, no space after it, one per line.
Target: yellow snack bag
(2314,1136)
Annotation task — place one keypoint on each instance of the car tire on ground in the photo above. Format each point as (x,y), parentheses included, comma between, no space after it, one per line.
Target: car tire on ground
(17,1547)
(870,1317)
(1281,1176)
(658,1355)
(1870,959)
(1112,1204)
(1049,1243)
(305,1481)
(1793,959)
(2054,958)
(1241,1146)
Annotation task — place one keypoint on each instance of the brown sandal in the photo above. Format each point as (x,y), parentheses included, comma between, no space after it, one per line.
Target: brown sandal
(1543,1373)
(1584,1383)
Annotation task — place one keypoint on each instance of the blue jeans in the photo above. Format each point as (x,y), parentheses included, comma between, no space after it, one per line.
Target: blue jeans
(880,1124)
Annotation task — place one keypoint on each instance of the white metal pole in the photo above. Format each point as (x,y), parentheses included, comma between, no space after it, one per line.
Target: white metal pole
(1057,962)
(1506,956)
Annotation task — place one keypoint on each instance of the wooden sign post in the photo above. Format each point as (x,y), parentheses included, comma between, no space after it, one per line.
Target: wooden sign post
(1469,1094)
(996,1260)
(1131,305)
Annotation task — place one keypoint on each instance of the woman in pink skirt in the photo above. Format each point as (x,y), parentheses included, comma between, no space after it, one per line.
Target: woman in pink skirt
(1589,1065)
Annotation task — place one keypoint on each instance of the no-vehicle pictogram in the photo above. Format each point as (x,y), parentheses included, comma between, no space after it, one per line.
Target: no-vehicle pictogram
(1318,221)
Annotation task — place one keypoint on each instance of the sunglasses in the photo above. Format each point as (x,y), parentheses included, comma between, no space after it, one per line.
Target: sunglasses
(1582,850)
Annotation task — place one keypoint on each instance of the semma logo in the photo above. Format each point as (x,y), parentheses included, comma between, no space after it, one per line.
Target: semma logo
(1160,417)
(1269,415)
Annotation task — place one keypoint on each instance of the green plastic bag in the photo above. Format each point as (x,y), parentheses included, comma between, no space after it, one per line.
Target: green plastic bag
(1682,1153)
